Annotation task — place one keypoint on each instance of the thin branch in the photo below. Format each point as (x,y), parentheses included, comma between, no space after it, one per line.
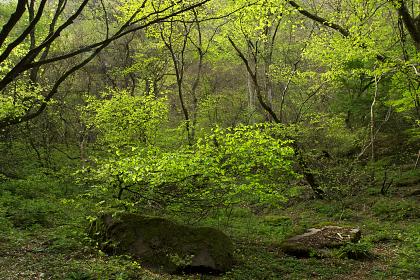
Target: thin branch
(218,17)
(312,94)
(388,115)
(286,87)
(121,33)
(106,18)
(415,69)
(59,10)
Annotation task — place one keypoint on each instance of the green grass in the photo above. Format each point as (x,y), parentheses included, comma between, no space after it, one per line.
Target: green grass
(43,236)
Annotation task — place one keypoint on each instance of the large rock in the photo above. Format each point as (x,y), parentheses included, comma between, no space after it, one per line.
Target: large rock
(163,245)
(315,240)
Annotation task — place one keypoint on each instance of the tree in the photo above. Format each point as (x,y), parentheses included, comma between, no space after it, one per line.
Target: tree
(38,55)
(267,38)
(182,37)
(123,121)
(371,64)
(411,21)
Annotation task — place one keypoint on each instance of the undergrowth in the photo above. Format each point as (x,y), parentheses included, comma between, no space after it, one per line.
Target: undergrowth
(43,236)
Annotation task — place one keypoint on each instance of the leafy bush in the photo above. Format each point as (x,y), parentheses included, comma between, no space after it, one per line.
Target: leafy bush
(329,148)
(357,251)
(34,186)
(247,164)
(122,119)
(326,132)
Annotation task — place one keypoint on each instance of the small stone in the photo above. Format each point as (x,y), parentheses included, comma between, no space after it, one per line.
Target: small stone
(315,240)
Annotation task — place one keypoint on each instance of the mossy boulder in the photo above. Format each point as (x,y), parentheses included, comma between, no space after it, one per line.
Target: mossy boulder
(315,241)
(162,245)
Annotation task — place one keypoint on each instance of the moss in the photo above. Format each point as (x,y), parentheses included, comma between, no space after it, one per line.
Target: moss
(162,244)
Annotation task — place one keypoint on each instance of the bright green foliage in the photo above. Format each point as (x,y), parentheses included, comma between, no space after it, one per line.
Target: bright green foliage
(24,95)
(353,63)
(151,9)
(346,98)
(248,164)
(404,92)
(15,55)
(252,20)
(126,120)
(19,101)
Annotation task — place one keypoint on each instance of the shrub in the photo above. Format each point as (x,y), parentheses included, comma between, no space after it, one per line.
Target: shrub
(357,251)
(395,210)
(245,164)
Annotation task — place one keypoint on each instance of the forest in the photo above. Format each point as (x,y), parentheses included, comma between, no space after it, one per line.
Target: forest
(209,139)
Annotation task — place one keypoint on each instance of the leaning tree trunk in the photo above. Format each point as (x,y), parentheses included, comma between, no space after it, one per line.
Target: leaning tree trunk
(309,176)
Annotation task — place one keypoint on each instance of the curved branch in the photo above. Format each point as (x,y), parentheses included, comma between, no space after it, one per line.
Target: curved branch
(25,33)
(319,19)
(14,18)
(255,81)
(30,56)
(409,22)
(26,63)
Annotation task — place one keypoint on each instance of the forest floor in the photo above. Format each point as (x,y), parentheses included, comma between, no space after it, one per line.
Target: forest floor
(43,236)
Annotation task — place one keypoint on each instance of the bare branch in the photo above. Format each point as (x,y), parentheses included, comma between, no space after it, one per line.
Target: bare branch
(319,19)
(255,81)
(25,33)
(106,18)
(14,18)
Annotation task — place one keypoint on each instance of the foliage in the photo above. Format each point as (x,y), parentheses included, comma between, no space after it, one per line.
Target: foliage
(30,213)
(60,251)
(328,132)
(331,150)
(245,163)
(342,77)
(23,97)
(123,119)
(357,251)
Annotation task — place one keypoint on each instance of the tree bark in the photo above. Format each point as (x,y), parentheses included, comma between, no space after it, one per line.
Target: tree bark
(13,20)
(412,24)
